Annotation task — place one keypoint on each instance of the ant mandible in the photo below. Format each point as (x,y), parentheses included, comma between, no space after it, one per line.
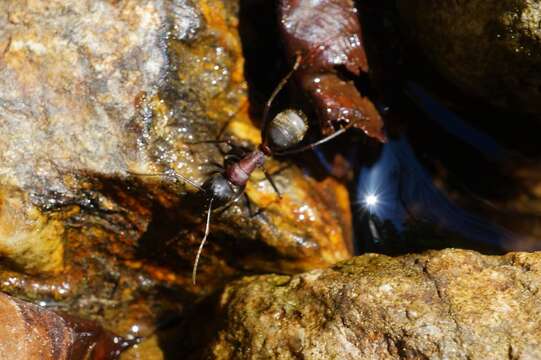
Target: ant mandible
(279,135)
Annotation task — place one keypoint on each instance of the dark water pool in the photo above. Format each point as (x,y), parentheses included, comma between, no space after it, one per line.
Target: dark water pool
(446,180)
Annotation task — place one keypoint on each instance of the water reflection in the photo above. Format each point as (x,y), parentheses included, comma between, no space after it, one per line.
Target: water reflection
(401,209)
(396,192)
(454,125)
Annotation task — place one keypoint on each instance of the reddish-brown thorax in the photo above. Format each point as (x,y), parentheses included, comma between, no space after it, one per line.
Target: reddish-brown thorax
(239,172)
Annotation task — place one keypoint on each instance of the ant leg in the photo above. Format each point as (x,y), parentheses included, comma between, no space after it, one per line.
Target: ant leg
(250,209)
(174,175)
(200,250)
(228,142)
(269,179)
(223,129)
(316,144)
(231,157)
(278,88)
(230,203)
(230,119)
(249,205)
(218,165)
(280,169)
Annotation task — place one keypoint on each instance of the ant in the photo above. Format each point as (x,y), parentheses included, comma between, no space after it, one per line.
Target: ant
(279,135)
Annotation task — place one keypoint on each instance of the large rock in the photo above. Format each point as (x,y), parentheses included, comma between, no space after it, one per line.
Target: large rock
(452,304)
(92,91)
(489,48)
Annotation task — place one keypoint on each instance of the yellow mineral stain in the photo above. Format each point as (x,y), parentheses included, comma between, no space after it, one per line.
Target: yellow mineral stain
(241,128)
(30,240)
(225,27)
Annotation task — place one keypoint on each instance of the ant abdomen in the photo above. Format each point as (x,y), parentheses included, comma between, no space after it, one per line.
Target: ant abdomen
(287,129)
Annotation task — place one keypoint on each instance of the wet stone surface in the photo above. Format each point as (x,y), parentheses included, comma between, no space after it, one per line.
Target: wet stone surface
(92,92)
(106,107)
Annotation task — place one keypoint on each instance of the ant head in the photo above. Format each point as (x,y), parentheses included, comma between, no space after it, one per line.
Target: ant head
(217,187)
(287,129)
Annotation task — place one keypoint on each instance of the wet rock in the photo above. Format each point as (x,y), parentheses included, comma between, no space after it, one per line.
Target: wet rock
(450,304)
(92,92)
(32,332)
(489,48)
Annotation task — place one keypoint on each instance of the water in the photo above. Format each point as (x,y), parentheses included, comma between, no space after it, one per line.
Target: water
(444,183)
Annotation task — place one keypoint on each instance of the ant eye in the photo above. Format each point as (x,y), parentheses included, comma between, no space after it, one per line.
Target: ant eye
(287,129)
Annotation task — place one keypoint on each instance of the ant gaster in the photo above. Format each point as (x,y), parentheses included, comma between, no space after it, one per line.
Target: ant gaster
(224,187)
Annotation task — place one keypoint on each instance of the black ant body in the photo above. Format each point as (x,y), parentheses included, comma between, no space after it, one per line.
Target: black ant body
(224,187)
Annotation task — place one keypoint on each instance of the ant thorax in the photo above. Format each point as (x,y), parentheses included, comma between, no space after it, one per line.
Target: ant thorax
(238,173)
(287,129)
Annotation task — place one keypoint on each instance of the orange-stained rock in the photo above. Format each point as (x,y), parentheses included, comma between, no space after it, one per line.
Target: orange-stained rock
(93,92)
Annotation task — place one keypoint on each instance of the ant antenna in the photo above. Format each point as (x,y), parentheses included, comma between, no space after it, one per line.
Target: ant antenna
(200,250)
(174,175)
(226,141)
(278,88)
(315,144)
